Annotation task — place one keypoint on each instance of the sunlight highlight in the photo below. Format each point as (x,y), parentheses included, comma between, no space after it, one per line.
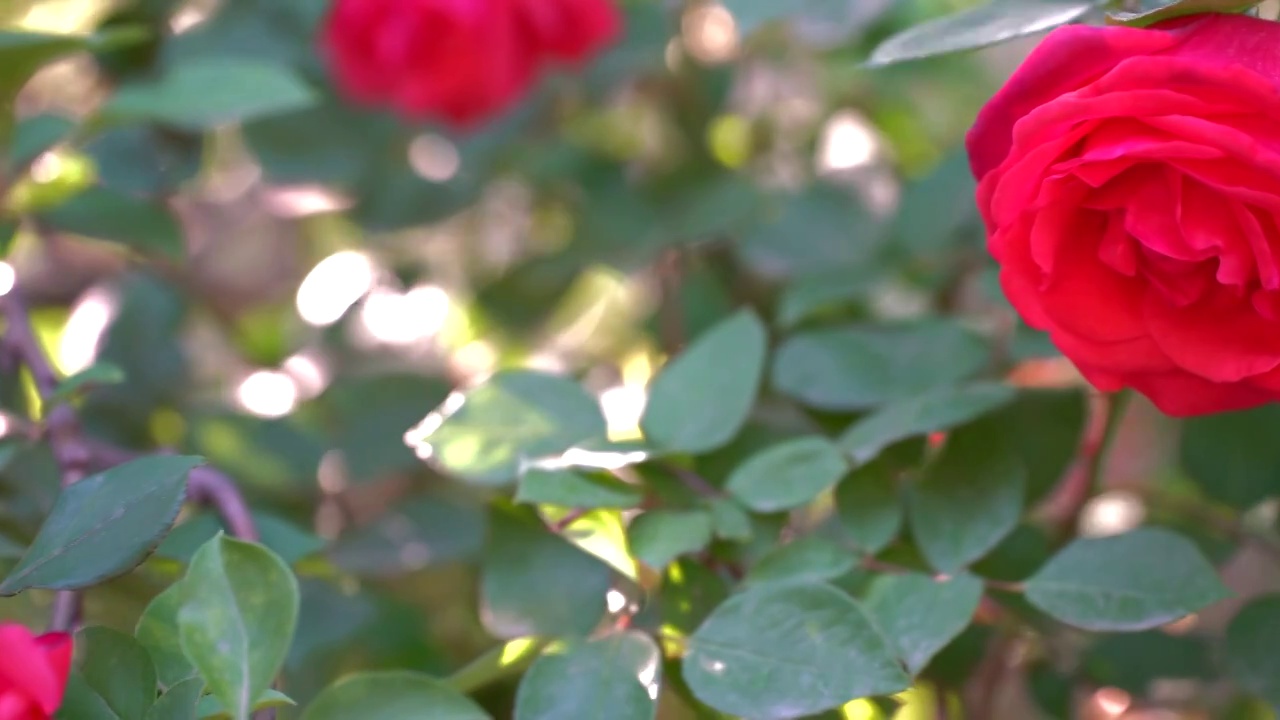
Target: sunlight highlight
(848,142)
(268,394)
(81,336)
(334,285)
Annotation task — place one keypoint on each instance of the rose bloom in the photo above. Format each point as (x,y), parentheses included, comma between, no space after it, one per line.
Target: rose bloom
(1130,184)
(458,61)
(33,672)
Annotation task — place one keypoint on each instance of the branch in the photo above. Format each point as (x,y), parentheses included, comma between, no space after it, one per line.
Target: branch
(1086,475)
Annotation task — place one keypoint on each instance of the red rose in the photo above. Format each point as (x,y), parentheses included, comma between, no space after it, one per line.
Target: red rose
(33,672)
(458,61)
(1130,183)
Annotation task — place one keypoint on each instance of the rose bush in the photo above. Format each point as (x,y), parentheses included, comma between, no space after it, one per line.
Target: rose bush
(1130,183)
(33,672)
(459,62)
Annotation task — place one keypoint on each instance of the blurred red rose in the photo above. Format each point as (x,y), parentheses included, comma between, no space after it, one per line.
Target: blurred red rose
(457,61)
(1130,184)
(33,672)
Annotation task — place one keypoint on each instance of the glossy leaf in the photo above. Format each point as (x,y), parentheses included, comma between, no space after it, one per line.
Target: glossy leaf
(178,702)
(863,367)
(567,488)
(785,651)
(932,412)
(534,582)
(392,695)
(1170,9)
(807,560)
(203,94)
(659,536)
(104,525)
(1114,583)
(787,475)
(700,400)
(239,609)
(870,506)
(968,498)
(920,615)
(514,417)
(118,670)
(989,24)
(157,631)
(616,676)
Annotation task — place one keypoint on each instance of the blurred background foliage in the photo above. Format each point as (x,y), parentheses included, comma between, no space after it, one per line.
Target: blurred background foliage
(289,295)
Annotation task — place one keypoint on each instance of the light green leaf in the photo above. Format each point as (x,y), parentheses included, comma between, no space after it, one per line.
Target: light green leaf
(785,651)
(978,27)
(239,610)
(1252,638)
(117,669)
(920,615)
(179,703)
(700,400)
(1125,583)
(968,499)
(95,375)
(534,582)
(392,695)
(870,505)
(659,536)
(1171,9)
(862,367)
(807,560)
(730,521)
(210,708)
(104,525)
(616,676)
(206,93)
(105,214)
(935,411)
(567,488)
(515,417)
(157,631)
(787,475)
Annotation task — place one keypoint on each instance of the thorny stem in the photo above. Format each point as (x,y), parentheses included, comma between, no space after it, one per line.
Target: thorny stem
(77,455)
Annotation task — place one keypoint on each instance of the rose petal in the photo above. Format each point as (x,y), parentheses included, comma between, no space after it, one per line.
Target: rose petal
(32,668)
(1220,339)
(1182,394)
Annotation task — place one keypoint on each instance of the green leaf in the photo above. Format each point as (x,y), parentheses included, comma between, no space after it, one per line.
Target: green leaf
(35,135)
(862,367)
(420,532)
(700,400)
(210,707)
(280,536)
(807,560)
(534,582)
(659,536)
(105,214)
(615,676)
(21,55)
(921,615)
(239,609)
(95,375)
(206,93)
(80,702)
(567,488)
(1044,428)
(1171,9)
(784,651)
(104,525)
(870,506)
(1132,661)
(689,593)
(392,695)
(1124,583)
(179,702)
(730,521)
(787,475)
(984,25)
(514,417)
(968,499)
(1251,642)
(157,631)
(935,411)
(1233,457)
(837,230)
(118,670)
